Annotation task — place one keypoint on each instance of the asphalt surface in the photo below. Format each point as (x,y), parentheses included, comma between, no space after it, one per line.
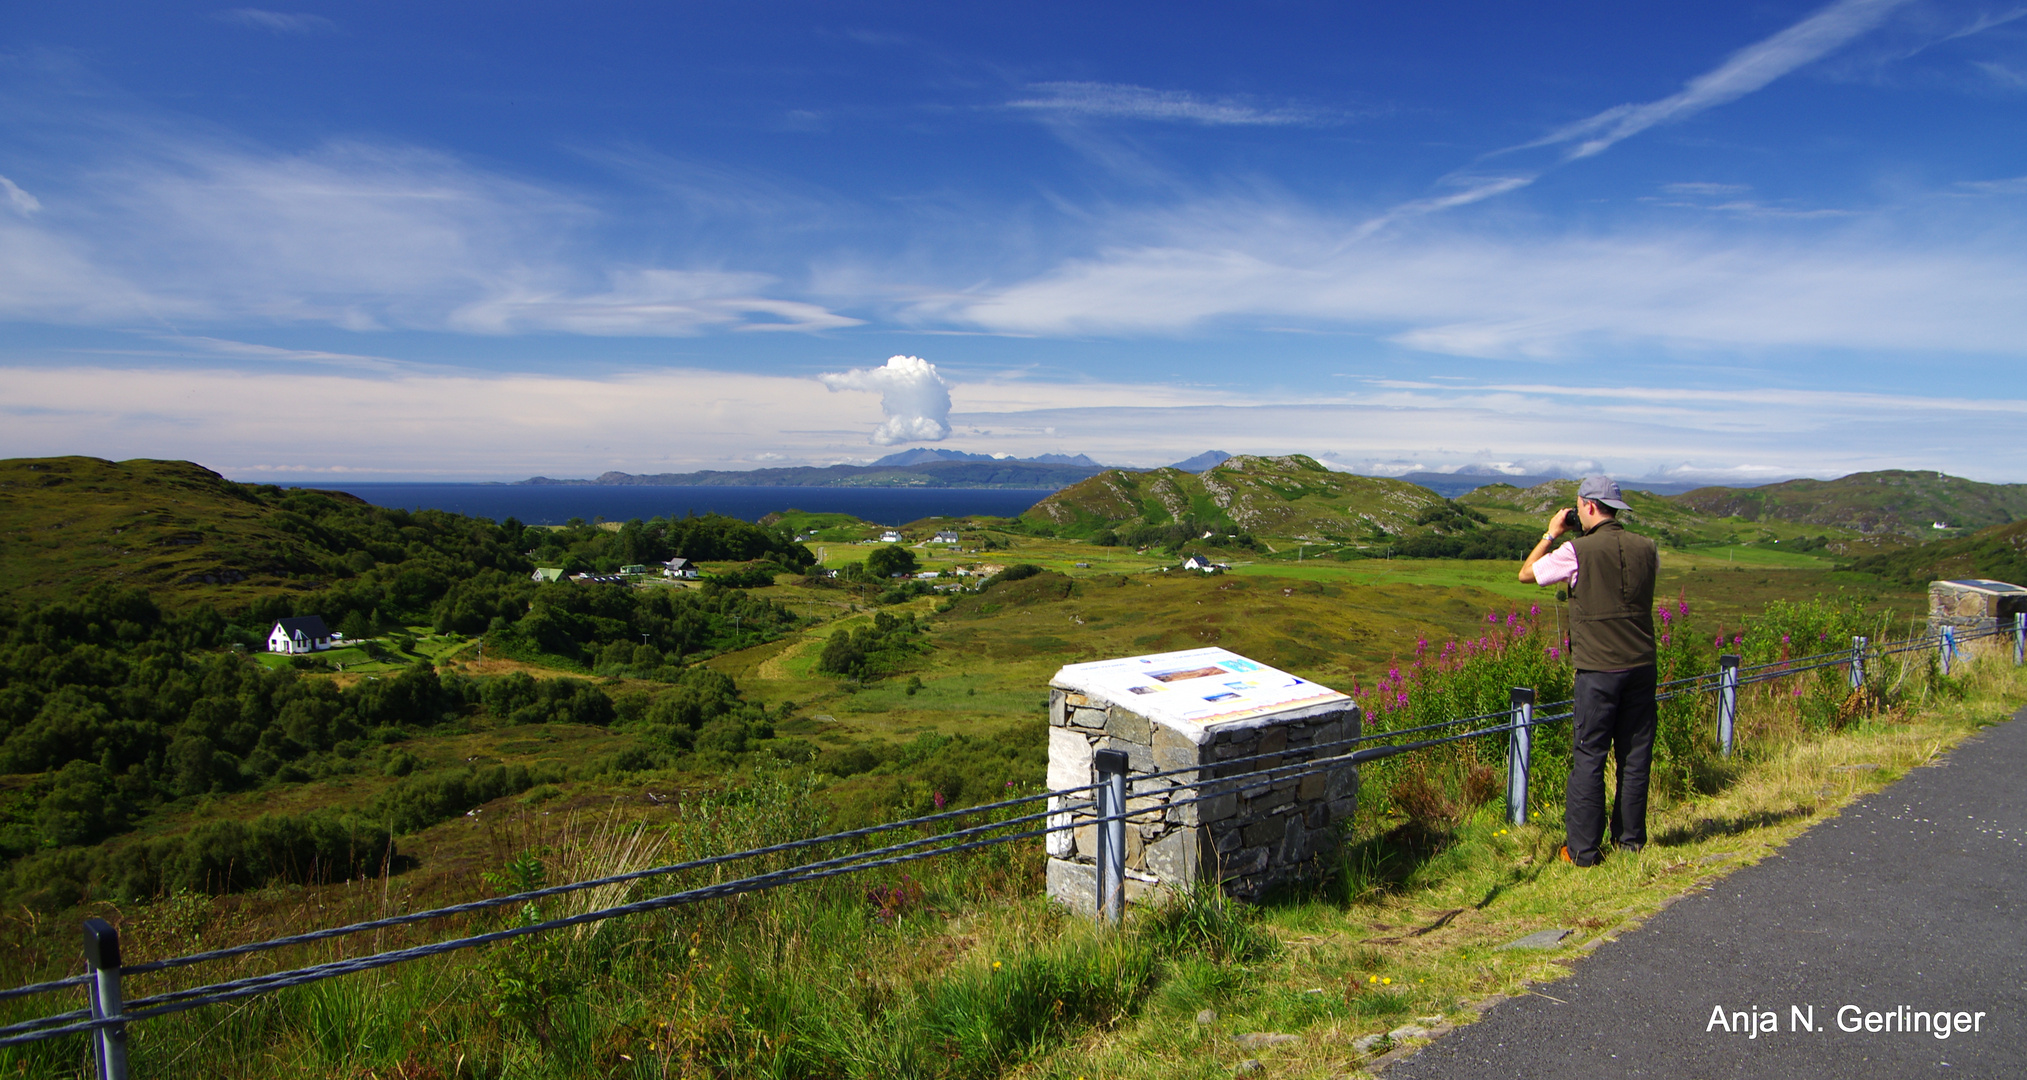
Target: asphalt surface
(1913,897)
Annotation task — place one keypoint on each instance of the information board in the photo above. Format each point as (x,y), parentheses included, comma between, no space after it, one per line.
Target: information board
(1195,686)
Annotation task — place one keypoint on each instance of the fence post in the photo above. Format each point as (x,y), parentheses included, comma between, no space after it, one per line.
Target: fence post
(1111,887)
(1727,701)
(1519,752)
(1857,662)
(102,952)
(1949,647)
(2019,637)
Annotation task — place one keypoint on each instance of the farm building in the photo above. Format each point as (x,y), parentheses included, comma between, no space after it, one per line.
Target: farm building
(547,573)
(679,568)
(304,633)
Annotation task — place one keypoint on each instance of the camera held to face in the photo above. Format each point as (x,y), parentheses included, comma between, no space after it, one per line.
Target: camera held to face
(1570,520)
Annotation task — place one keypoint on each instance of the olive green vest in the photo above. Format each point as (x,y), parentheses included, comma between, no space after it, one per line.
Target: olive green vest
(1612,603)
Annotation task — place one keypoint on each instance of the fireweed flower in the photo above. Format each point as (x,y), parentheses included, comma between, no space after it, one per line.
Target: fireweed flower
(1533,609)
(938,798)
(1682,608)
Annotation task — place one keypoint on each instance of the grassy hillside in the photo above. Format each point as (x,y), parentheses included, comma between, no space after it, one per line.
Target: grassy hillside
(1294,497)
(1998,552)
(1889,501)
(187,535)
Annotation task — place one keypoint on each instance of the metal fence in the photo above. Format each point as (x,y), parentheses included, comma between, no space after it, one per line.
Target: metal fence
(107,1012)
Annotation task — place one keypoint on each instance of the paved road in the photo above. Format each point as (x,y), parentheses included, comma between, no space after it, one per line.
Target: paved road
(1914,897)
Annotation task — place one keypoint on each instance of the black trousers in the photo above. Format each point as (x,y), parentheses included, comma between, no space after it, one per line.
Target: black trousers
(1615,714)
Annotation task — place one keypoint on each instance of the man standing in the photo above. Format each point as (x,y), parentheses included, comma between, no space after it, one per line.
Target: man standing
(1610,573)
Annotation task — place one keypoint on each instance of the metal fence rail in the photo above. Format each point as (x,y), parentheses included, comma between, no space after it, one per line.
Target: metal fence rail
(107,1013)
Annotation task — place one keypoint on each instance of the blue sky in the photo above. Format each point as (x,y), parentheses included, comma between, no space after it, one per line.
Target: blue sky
(1705,241)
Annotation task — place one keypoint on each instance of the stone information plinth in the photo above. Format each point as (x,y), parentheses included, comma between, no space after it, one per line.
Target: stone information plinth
(1198,710)
(1973,605)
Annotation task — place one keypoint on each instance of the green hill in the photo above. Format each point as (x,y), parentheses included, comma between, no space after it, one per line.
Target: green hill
(1294,497)
(186,534)
(1998,552)
(1890,501)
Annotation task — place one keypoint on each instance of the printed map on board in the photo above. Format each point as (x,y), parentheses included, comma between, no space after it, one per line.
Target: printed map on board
(1195,686)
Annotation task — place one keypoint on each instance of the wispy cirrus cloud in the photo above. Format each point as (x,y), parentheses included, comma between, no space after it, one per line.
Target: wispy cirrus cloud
(1936,283)
(279,22)
(1122,101)
(162,221)
(1747,70)
(22,202)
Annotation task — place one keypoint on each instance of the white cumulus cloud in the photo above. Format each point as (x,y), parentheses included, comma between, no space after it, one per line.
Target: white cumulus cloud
(913,396)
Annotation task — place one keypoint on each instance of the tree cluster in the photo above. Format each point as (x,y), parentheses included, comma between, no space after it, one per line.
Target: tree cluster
(867,652)
(579,547)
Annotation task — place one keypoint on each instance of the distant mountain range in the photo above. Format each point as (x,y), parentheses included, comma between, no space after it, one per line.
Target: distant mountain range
(921,467)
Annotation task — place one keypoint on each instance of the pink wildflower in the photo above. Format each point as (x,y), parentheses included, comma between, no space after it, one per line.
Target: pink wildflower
(1682,608)
(1533,610)
(1665,616)
(938,797)
(1554,653)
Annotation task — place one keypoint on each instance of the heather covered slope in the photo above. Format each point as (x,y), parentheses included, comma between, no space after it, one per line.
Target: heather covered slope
(1889,501)
(1293,496)
(1998,552)
(185,533)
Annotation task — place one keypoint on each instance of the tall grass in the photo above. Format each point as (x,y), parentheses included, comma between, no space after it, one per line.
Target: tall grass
(948,968)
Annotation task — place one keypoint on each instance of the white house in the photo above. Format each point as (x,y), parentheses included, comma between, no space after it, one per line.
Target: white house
(890,537)
(679,568)
(304,633)
(1198,562)
(945,536)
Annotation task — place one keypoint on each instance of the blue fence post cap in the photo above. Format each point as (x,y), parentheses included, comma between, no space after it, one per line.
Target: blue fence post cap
(1728,660)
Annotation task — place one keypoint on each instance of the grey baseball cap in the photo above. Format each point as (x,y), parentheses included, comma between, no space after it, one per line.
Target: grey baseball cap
(1602,489)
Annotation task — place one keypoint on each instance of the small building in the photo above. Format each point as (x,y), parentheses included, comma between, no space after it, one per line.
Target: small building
(927,575)
(945,536)
(890,537)
(302,634)
(547,573)
(633,570)
(679,568)
(1198,562)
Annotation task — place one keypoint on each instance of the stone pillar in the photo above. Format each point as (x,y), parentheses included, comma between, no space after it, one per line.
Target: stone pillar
(1197,710)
